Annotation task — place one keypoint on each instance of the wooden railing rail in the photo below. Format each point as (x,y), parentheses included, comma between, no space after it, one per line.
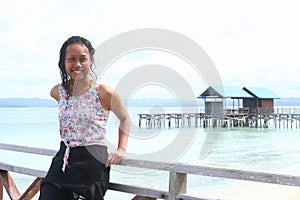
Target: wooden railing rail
(177,177)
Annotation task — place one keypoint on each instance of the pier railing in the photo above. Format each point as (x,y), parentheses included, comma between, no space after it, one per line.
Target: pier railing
(177,177)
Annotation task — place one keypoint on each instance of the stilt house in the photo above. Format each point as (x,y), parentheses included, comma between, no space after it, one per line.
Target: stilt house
(215,99)
(261,101)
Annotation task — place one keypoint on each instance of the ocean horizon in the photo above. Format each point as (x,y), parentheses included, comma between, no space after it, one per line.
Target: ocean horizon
(140,102)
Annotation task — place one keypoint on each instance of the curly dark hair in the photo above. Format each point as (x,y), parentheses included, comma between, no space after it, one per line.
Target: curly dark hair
(62,54)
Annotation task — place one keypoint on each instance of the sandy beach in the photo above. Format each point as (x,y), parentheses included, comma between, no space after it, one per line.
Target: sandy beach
(257,191)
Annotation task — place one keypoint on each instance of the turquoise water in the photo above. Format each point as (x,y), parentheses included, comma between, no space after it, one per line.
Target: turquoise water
(260,149)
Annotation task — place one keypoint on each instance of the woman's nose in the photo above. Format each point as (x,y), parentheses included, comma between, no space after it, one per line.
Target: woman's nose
(78,63)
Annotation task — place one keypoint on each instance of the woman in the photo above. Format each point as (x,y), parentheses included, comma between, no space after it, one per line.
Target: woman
(81,166)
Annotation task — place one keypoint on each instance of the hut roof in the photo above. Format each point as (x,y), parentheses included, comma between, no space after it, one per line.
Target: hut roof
(261,92)
(225,92)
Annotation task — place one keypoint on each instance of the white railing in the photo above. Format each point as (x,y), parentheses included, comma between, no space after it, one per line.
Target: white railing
(177,177)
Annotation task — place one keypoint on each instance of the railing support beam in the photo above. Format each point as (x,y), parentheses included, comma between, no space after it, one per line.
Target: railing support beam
(9,185)
(143,198)
(1,190)
(33,189)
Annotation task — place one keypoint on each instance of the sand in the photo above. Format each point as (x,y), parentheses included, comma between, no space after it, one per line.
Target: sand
(257,191)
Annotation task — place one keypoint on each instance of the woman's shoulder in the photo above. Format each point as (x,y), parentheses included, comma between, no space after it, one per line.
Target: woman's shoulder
(105,89)
(105,94)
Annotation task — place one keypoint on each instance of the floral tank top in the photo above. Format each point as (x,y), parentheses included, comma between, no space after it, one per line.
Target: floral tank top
(82,119)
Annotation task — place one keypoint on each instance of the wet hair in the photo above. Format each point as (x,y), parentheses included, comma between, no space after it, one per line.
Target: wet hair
(62,56)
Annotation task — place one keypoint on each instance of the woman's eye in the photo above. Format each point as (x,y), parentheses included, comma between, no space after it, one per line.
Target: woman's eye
(84,59)
(71,59)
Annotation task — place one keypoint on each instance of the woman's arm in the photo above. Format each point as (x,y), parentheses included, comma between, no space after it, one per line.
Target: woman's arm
(112,101)
(54,92)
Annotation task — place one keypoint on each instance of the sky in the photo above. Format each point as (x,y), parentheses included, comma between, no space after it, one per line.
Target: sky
(251,43)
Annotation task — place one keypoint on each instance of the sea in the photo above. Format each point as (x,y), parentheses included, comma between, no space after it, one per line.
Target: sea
(272,149)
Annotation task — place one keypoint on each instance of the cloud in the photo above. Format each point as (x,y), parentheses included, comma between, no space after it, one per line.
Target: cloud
(251,43)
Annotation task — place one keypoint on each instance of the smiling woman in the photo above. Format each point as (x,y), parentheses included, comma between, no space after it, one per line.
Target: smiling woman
(75,63)
(81,167)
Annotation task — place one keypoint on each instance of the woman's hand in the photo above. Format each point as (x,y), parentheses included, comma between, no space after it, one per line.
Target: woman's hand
(115,157)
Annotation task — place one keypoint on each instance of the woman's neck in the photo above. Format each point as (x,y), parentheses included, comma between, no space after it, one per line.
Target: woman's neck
(78,87)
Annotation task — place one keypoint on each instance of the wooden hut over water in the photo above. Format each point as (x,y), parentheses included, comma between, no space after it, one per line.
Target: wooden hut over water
(261,100)
(215,99)
(256,110)
(254,99)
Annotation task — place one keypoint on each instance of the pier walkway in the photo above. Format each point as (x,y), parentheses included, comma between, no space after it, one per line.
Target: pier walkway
(178,175)
(278,118)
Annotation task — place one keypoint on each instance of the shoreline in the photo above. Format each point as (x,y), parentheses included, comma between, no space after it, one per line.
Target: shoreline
(246,190)
(258,191)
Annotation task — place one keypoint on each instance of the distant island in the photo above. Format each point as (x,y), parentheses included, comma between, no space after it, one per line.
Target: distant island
(27,102)
(39,102)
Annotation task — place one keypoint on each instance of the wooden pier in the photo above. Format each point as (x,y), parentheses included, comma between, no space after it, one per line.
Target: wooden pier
(177,177)
(278,118)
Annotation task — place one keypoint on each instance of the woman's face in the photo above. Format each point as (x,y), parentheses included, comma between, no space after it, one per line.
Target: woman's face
(77,61)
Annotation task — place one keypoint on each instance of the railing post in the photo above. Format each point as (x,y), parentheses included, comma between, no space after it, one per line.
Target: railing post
(177,184)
